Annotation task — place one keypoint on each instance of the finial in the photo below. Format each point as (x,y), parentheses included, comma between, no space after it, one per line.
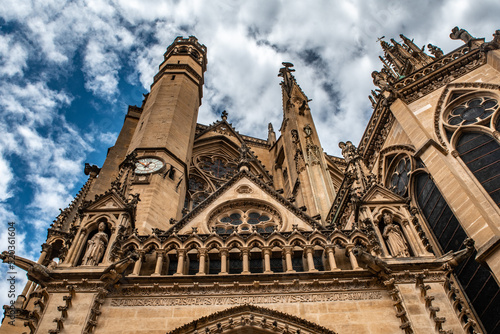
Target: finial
(224,115)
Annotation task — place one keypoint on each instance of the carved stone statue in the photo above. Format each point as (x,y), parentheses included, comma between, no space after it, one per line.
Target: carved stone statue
(96,247)
(308,130)
(435,51)
(394,237)
(349,151)
(457,33)
(494,44)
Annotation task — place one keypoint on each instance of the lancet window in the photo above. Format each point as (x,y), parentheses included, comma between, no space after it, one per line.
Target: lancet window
(399,175)
(475,279)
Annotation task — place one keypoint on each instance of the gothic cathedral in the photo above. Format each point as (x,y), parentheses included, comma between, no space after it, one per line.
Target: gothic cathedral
(190,228)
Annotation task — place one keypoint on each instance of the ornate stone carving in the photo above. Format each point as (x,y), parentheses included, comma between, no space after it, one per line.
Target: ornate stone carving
(457,33)
(394,237)
(96,247)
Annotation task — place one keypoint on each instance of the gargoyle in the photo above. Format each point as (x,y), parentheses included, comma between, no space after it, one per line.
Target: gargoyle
(36,272)
(493,44)
(453,259)
(373,264)
(113,273)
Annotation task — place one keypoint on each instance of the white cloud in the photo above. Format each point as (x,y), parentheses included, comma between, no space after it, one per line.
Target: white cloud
(13,57)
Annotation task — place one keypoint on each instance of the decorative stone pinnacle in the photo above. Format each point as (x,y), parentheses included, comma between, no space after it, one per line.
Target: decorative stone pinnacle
(224,115)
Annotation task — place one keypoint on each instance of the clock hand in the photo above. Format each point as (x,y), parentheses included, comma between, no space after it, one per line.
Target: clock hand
(143,164)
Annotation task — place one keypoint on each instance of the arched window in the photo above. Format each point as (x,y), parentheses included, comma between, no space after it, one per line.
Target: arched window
(481,154)
(399,175)
(469,121)
(476,280)
(245,218)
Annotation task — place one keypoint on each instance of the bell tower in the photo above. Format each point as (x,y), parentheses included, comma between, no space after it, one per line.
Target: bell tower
(163,139)
(308,174)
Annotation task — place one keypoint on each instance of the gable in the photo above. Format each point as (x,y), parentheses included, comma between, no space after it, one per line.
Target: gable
(110,201)
(379,194)
(245,195)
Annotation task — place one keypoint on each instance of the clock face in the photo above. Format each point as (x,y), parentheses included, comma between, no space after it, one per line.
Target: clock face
(148,165)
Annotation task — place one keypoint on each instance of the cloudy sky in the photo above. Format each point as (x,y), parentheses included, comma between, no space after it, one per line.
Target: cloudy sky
(69,69)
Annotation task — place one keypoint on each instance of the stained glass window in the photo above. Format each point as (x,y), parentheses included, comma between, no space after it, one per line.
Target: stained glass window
(476,279)
(481,154)
(218,168)
(245,222)
(472,111)
(399,178)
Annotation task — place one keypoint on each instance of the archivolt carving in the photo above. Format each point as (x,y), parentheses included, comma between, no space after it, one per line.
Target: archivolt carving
(264,320)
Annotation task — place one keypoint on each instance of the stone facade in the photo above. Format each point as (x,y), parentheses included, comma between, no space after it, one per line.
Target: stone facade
(189,228)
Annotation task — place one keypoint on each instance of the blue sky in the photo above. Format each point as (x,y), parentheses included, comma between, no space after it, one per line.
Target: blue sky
(69,69)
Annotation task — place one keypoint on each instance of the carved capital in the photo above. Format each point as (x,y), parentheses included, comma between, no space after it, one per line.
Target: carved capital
(224,251)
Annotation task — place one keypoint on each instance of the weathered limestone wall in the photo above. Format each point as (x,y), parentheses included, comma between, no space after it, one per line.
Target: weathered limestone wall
(77,312)
(344,317)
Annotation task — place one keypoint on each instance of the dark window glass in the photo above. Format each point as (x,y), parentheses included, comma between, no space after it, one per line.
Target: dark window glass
(276,265)
(235,266)
(256,265)
(214,266)
(297,263)
(172,267)
(194,266)
(318,261)
(476,280)
(481,153)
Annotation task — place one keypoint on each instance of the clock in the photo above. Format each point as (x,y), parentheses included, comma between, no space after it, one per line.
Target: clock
(148,165)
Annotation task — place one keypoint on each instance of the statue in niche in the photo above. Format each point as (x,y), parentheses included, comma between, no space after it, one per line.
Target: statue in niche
(394,237)
(96,247)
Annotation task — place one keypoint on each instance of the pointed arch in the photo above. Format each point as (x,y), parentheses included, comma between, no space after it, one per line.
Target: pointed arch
(476,279)
(251,319)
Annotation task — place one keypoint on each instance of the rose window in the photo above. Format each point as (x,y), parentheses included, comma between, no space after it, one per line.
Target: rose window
(245,221)
(472,111)
(399,178)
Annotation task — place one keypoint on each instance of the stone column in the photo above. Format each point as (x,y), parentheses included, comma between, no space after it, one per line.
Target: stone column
(310,260)
(181,253)
(46,249)
(202,254)
(78,247)
(137,265)
(288,250)
(245,255)
(330,251)
(267,260)
(71,250)
(112,238)
(159,263)
(223,261)
(352,258)
(412,241)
